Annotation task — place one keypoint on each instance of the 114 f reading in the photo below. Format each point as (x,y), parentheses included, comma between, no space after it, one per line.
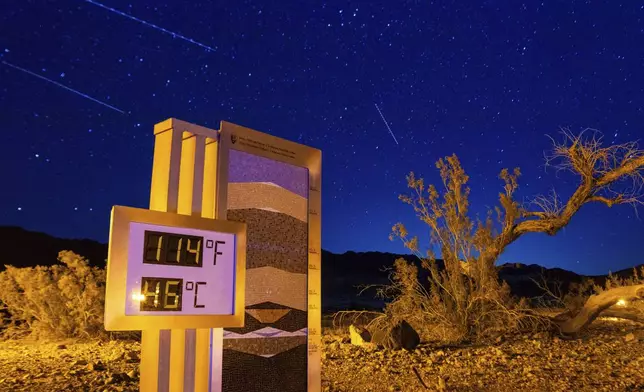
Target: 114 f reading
(176,249)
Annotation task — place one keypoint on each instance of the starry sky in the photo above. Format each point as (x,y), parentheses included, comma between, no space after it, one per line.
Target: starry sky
(83,82)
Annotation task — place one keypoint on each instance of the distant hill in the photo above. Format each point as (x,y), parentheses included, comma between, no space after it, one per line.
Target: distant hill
(23,248)
(342,274)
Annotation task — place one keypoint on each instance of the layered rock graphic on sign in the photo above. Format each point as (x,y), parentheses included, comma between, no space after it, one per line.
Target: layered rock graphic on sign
(270,352)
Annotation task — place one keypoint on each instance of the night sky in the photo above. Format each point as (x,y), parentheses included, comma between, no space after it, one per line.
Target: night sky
(82,85)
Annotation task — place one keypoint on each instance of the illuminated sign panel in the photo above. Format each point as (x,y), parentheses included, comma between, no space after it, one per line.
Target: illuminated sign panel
(273,185)
(170,266)
(173,271)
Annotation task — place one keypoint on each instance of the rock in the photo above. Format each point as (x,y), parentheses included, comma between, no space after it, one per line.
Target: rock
(132,374)
(400,336)
(61,347)
(132,356)
(359,336)
(96,366)
(116,378)
(630,337)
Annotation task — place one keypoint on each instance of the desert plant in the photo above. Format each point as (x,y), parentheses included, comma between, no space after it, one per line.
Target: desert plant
(61,301)
(464,299)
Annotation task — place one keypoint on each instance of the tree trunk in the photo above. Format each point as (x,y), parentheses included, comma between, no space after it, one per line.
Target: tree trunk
(626,314)
(595,305)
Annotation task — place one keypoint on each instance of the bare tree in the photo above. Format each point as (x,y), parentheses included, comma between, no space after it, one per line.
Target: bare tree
(610,175)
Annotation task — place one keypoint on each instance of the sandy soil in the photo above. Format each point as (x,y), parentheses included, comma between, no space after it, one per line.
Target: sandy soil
(610,357)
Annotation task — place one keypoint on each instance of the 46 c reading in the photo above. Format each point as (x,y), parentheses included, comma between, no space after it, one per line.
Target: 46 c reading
(166,294)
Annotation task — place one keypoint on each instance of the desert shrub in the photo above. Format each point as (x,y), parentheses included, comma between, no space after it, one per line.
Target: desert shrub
(464,299)
(612,281)
(578,293)
(61,301)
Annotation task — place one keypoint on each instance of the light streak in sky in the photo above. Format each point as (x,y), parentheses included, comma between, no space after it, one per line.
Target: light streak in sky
(134,18)
(386,123)
(62,85)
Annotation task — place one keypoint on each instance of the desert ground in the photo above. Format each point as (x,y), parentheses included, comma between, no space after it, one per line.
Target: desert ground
(608,357)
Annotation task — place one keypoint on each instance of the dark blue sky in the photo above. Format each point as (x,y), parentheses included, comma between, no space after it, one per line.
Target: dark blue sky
(487,80)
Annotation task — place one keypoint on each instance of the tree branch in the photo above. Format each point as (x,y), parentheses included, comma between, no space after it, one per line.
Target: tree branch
(596,304)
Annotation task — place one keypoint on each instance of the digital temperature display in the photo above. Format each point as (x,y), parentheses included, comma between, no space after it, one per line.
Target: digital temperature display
(169,271)
(180,270)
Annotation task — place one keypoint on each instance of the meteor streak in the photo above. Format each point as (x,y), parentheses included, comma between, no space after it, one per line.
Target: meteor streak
(134,18)
(387,124)
(62,85)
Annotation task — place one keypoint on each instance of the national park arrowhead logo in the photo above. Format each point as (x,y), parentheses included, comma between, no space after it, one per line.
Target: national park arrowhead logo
(233,138)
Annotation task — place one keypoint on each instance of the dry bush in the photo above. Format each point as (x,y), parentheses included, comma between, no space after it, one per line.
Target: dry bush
(578,293)
(633,310)
(465,300)
(62,301)
(615,281)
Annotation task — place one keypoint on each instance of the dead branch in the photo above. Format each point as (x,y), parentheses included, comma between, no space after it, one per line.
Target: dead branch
(602,171)
(338,319)
(625,314)
(549,295)
(595,305)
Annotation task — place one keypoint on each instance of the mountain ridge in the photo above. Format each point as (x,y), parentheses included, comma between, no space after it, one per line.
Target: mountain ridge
(343,274)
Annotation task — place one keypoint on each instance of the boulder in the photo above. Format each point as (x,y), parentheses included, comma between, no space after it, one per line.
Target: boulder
(401,335)
(359,336)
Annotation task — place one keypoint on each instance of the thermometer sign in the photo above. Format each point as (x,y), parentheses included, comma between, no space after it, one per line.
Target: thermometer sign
(171,269)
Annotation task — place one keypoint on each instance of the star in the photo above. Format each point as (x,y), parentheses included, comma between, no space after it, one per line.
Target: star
(445,80)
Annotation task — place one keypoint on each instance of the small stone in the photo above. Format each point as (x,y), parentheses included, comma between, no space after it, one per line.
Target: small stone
(95,366)
(132,356)
(132,374)
(61,347)
(630,337)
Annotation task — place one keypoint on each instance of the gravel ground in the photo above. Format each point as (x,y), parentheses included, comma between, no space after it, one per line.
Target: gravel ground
(69,366)
(610,357)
